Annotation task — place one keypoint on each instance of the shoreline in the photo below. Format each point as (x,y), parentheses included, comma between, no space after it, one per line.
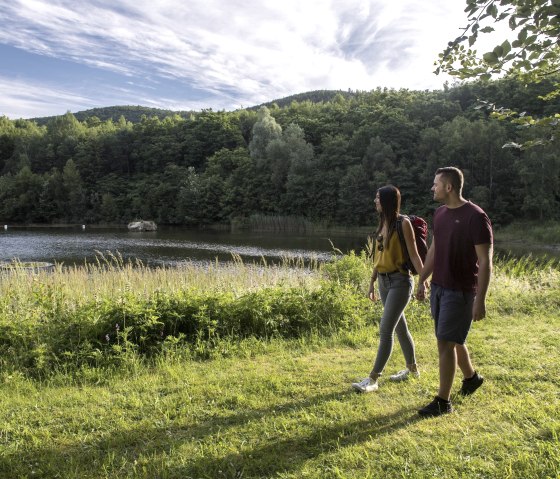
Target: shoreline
(500,238)
(352,230)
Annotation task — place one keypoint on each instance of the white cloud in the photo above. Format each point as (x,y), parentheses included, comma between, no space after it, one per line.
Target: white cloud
(243,52)
(23,99)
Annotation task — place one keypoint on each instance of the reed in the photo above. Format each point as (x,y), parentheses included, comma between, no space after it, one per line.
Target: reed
(109,312)
(542,232)
(102,313)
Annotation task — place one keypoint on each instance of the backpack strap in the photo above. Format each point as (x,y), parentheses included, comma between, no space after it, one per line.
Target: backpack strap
(401,235)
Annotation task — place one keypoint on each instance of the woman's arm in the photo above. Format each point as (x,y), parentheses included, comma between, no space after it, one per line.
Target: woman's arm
(415,258)
(371,292)
(411,245)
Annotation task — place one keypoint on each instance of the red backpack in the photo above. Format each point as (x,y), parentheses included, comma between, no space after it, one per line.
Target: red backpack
(420,228)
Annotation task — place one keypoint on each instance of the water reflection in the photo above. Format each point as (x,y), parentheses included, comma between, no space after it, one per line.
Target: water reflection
(166,246)
(172,246)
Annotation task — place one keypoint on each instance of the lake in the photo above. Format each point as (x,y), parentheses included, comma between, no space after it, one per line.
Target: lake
(167,246)
(171,246)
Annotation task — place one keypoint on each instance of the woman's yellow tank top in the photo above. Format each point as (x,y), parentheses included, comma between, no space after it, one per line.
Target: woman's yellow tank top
(392,256)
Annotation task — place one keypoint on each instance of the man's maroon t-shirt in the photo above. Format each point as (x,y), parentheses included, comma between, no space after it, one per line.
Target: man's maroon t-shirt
(456,232)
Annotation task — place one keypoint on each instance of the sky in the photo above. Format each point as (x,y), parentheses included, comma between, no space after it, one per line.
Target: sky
(71,55)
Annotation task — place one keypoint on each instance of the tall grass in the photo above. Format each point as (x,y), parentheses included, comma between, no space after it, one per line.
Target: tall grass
(544,232)
(105,313)
(109,312)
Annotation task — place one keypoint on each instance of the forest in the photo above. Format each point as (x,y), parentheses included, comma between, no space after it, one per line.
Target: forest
(319,156)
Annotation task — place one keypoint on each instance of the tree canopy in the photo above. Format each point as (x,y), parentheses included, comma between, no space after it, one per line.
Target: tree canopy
(318,160)
(530,54)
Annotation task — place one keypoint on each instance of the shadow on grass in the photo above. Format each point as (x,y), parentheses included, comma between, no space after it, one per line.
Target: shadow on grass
(115,455)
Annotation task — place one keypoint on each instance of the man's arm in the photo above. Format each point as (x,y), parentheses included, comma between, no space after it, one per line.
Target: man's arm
(427,270)
(484,254)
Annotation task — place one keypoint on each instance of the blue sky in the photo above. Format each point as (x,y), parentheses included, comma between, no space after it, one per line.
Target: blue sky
(72,55)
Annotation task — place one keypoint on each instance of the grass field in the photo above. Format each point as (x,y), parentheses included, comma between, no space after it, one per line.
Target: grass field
(283,407)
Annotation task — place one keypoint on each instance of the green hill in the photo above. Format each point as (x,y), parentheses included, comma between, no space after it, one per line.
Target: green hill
(131,113)
(134,113)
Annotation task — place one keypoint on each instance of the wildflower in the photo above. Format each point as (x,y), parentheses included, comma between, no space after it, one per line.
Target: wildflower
(107,338)
(117,327)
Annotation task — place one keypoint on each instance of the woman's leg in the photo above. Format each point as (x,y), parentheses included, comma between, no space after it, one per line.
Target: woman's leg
(395,294)
(407,343)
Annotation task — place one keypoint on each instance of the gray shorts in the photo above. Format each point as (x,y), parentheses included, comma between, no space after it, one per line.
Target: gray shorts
(452,313)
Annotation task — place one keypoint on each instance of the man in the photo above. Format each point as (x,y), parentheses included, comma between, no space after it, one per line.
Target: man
(460,261)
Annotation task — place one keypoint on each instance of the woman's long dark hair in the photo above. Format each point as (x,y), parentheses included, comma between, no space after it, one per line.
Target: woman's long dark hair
(390,201)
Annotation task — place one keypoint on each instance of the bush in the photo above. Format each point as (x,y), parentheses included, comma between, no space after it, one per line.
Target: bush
(351,269)
(104,333)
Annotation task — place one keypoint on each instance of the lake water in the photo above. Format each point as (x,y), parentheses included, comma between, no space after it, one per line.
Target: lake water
(167,246)
(172,246)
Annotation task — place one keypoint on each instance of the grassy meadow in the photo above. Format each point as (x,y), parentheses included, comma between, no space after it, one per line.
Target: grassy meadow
(244,371)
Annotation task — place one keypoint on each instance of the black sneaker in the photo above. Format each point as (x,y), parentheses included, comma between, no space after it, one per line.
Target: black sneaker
(471,385)
(436,408)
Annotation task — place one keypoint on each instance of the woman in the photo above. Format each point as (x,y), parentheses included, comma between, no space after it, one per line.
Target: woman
(395,287)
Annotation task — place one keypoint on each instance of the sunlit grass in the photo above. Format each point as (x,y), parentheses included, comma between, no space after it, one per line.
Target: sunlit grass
(275,407)
(111,275)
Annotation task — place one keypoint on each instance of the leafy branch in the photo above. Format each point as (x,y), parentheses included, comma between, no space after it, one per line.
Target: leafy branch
(533,55)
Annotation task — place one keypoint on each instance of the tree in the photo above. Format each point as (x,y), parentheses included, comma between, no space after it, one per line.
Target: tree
(282,151)
(355,198)
(63,135)
(264,131)
(74,187)
(378,157)
(19,196)
(539,170)
(53,202)
(531,57)
(108,209)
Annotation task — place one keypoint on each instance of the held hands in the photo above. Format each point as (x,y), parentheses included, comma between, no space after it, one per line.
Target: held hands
(421,291)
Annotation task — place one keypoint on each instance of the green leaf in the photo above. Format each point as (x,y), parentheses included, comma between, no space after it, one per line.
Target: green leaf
(487,30)
(492,10)
(490,57)
(534,55)
(498,51)
(506,47)
(531,40)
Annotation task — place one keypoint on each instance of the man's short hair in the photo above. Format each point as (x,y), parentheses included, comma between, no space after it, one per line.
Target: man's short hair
(452,175)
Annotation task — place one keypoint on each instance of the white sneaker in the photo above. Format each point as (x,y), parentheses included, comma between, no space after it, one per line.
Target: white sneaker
(366,385)
(404,374)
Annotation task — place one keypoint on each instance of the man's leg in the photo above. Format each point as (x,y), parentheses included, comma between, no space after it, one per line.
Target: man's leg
(471,379)
(447,367)
(464,361)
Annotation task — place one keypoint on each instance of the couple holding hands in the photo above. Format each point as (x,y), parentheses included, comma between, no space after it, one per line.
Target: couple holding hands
(459,260)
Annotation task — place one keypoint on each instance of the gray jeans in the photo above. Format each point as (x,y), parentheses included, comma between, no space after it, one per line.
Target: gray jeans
(395,290)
